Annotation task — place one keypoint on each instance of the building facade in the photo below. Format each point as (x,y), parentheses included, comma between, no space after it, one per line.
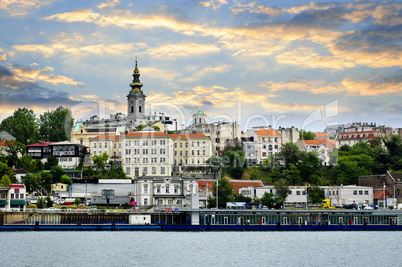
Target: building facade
(164,191)
(191,152)
(352,138)
(147,152)
(268,142)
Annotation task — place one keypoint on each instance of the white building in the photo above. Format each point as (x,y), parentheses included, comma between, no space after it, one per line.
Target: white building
(338,195)
(352,138)
(147,152)
(222,134)
(163,192)
(13,198)
(321,146)
(191,152)
(268,142)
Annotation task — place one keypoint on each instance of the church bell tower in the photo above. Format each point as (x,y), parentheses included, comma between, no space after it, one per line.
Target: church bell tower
(135,102)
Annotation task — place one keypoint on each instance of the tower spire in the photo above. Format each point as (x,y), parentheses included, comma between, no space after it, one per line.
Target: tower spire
(136,84)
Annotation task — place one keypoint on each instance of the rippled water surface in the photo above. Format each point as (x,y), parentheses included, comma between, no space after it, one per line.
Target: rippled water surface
(201,249)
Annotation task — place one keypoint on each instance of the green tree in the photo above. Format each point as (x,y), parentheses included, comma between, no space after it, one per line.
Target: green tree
(40,203)
(22,125)
(275,174)
(51,162)
(306,135)
(225,191)
(55,126)
(271,201)
(5,181)
(292,175)
(28,163)
(30,181)
(309,164)
(291,153)
(282,189)
(13,151)
(49,202)
(237,197)
(100,160)
(253,176)
(6,170)
(46,180)
(56,173)
(315,194)
(77,201)
(66,180)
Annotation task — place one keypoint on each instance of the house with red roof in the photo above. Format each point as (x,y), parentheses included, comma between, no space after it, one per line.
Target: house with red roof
(267,140)
(191,152)
(322,146)
(352,138)
(147,153)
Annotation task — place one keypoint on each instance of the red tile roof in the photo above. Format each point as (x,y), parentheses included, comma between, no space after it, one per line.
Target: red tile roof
(328,142)
(185,136)
(359,135)
(325,135)
(40,144)
(268,132)
(107,137)
(146,134)
(379,194)
(3,143)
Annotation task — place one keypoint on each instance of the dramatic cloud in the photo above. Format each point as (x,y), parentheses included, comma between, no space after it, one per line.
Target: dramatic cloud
(214,4)
(182,50)
(388,85)
(21,7)
(31,75)
(75,49)
(109,4)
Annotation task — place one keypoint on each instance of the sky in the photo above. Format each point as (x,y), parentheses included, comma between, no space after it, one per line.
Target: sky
(300,63)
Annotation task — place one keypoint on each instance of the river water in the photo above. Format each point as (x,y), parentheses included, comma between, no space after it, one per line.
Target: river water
(201,248)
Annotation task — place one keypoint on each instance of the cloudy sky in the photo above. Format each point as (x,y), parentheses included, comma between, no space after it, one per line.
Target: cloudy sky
(280,63)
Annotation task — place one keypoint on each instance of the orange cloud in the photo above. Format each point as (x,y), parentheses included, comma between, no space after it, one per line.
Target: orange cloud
(182,50)
(346,86)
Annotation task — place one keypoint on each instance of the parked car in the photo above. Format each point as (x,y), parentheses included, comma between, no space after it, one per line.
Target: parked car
(351,206)
(51,209)
(63,209)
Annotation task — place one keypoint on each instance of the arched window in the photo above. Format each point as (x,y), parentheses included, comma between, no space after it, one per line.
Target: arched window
(195,120)
(139,109)
(200,120)
(132,109)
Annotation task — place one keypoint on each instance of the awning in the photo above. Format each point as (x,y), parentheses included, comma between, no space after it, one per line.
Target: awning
(3,202)
(17,202)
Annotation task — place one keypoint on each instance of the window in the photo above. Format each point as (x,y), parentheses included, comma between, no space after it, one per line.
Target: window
(153,170)
(158,189)
(176,189)
(145,201)
(360,192)
(127,170)
(303,193)
(114,145)
(162,170)
(144,170)
(170,201)
(181,145)
(94,145)
(100,145)
(145,151)
(162,142)
(175,145)
(366,192)
(167,189)
(298,193)
(354,192)
(105,145)
(145,142)
(145,189)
